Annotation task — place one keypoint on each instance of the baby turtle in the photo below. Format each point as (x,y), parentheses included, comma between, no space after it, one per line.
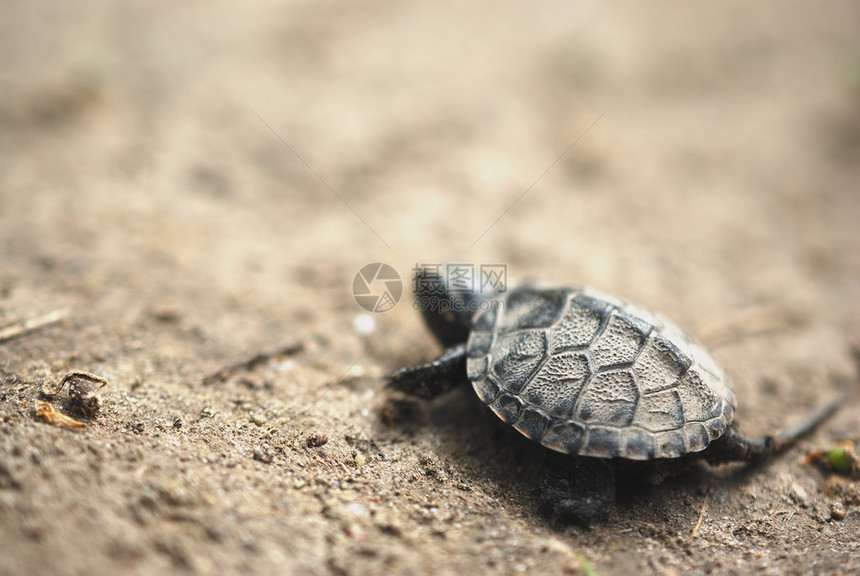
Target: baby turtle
(588,374)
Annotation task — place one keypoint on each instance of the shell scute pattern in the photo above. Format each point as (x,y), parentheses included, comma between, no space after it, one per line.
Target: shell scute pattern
(602,442)
(558,384)
(697,398)
(507,407)
(523,353)
(620,342)
(660,364)
(565,436)
(576,329)
(585,373)
(531,309)
(638,442)
(610,398)
(661,411)
(487,389)
(532,423)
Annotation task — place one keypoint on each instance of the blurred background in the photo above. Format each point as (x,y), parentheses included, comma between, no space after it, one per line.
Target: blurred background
(235,168)
(288,145)
(701,160)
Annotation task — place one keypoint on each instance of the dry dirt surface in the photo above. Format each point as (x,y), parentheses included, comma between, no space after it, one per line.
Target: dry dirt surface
(188,185)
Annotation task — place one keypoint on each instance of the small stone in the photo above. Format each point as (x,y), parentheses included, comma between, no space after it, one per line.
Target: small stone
(799,495)
(359,459)
(83,391)
(263,456)
(364,324)
(316,440)
(837,510)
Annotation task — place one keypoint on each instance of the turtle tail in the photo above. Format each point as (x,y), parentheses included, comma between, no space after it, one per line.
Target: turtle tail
(732,447)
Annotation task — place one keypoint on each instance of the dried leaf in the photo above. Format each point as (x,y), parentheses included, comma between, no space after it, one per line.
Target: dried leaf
(46,412)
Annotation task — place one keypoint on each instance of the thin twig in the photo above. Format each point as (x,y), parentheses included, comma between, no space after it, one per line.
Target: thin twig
(31,325)
(701,517)
(250,362)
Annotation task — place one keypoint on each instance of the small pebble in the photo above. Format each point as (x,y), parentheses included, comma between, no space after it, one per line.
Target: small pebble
(837,510)
(364,324)
(359,459)
(798,494)
(83,391)
(262,455)
(316,439)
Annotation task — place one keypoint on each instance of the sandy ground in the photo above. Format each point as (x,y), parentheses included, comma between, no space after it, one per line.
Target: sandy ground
(193,185)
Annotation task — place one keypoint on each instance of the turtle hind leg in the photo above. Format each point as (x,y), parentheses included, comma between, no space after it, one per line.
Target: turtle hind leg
(732,447)
(580,496)
(433,379)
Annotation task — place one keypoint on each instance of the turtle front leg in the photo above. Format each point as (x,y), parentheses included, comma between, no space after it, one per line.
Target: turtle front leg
(433,379)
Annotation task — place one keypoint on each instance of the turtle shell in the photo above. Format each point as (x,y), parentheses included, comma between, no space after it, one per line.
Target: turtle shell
(585,373)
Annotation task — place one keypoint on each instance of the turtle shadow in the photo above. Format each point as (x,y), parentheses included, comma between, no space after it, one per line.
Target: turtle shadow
(477,449)
(559,490)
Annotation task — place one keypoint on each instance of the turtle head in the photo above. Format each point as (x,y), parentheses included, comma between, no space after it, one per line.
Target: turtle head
(447,310)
